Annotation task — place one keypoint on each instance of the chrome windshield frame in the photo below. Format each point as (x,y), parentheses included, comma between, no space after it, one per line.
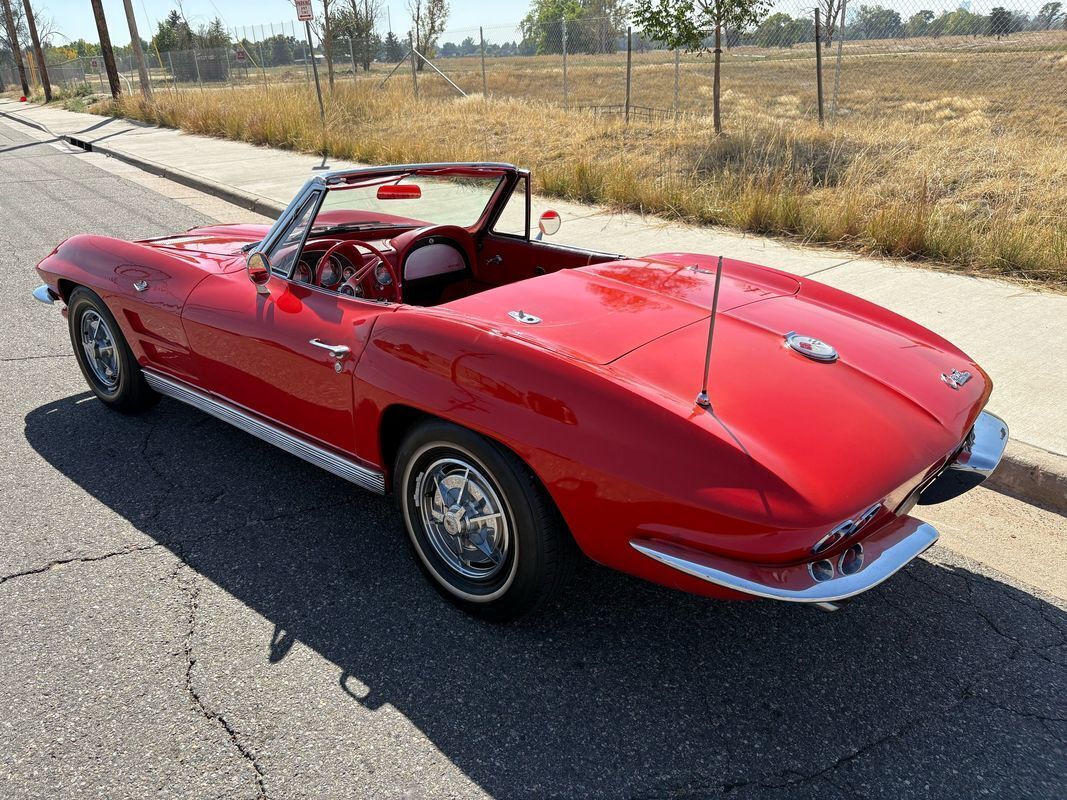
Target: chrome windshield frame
(322,183)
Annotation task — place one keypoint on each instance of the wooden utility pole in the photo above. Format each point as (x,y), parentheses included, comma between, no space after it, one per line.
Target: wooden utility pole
(16,51)
(37,52)
(105,48)
(138,51)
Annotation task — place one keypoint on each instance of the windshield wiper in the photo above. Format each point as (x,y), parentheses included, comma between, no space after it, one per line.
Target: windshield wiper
(248,246)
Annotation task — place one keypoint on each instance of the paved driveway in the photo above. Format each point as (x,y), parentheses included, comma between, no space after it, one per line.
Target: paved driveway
(186,612)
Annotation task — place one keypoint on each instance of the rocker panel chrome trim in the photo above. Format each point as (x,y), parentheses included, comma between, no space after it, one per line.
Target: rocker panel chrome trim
(372,480)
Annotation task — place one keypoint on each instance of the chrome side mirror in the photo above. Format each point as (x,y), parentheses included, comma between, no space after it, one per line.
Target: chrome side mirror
(548,224)
(258,269)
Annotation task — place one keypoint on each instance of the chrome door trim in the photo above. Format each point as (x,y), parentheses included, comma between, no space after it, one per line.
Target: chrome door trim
(370,479)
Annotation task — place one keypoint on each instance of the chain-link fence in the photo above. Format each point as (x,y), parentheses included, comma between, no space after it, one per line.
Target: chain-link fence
(873,60)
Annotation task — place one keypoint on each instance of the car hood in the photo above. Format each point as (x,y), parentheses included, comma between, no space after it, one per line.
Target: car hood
(214,240)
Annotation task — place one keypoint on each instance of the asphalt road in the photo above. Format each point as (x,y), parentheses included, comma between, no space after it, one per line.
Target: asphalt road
(187,612)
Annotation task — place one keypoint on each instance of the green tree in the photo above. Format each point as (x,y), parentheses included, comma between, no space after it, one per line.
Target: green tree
(782,30)
(173,33)
(428,18)
(593,26)
(875,22)
(683,24)
(960,22)
(281,50)
(393,49)
(214,35)
(919,24)
(1049,13)
(543,26)
(1000,22)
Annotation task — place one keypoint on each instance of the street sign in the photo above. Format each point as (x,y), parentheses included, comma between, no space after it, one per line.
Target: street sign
(303,10)
(242,55)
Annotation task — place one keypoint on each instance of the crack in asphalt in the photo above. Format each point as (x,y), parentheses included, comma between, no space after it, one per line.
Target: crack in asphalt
(192,590)
(963,695)
(60,562)
(36,357)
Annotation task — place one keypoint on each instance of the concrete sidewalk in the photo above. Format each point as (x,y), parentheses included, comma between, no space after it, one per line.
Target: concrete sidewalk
(1018,335)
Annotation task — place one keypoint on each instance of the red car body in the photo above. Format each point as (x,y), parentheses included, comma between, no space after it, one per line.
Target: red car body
(597,399)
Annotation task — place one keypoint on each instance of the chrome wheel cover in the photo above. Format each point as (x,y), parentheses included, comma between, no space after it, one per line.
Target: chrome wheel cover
(464,518)
(101,352)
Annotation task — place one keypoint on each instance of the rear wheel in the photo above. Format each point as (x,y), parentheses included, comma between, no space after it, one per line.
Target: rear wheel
(105,359)
(483,529)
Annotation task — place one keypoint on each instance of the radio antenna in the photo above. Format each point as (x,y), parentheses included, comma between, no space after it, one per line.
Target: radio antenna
(702,398)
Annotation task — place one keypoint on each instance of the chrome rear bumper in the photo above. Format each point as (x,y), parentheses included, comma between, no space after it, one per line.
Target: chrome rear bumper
(44,294)
(981,453)
(884,552)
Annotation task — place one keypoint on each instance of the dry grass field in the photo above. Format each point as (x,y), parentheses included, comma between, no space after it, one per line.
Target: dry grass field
(955,156)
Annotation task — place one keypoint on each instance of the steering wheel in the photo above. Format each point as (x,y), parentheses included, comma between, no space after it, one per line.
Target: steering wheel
(353,282)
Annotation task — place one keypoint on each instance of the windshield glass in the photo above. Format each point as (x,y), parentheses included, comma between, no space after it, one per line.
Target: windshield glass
(408,199)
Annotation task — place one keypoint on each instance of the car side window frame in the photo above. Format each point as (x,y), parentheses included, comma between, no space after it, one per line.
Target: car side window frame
(522,177)
(310,201)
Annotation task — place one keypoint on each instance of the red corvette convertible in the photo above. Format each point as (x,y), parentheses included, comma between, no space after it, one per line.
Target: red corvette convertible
(400,327)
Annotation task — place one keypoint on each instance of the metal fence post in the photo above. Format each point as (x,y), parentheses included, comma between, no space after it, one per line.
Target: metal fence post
(485,83)
(677,59)
(837,68)
(818,64)
(414,72)
(352,52)
(629,71)
(196,63)
(563,22)
(173,74)
(259,46)
(318,86)
(303,49)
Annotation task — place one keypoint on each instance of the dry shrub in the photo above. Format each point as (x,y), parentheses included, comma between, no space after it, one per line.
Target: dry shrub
(956,186)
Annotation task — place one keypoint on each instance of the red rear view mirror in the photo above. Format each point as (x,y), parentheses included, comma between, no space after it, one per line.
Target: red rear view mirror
(399,191)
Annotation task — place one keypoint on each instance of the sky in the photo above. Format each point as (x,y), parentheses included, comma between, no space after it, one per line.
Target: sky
(74,18)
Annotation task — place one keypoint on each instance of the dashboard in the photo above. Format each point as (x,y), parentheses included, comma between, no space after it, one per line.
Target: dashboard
(339,273)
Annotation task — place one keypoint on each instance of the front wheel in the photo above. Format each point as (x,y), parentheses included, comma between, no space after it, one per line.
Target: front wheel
(482,527)
(105,359)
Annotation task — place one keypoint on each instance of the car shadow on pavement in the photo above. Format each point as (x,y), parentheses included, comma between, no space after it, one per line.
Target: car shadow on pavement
(942,682)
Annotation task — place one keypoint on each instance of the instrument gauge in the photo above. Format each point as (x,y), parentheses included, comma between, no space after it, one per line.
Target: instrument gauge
(382,274)
(331,272)
(303,272)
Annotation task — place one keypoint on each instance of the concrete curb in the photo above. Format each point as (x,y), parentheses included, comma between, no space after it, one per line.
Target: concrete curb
(237,197)
(1033,475)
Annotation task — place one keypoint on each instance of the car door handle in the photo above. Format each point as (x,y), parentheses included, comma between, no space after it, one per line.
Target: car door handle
(497,259)
(338,351)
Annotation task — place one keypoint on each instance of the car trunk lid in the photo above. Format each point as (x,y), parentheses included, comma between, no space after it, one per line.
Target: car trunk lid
(599,313)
